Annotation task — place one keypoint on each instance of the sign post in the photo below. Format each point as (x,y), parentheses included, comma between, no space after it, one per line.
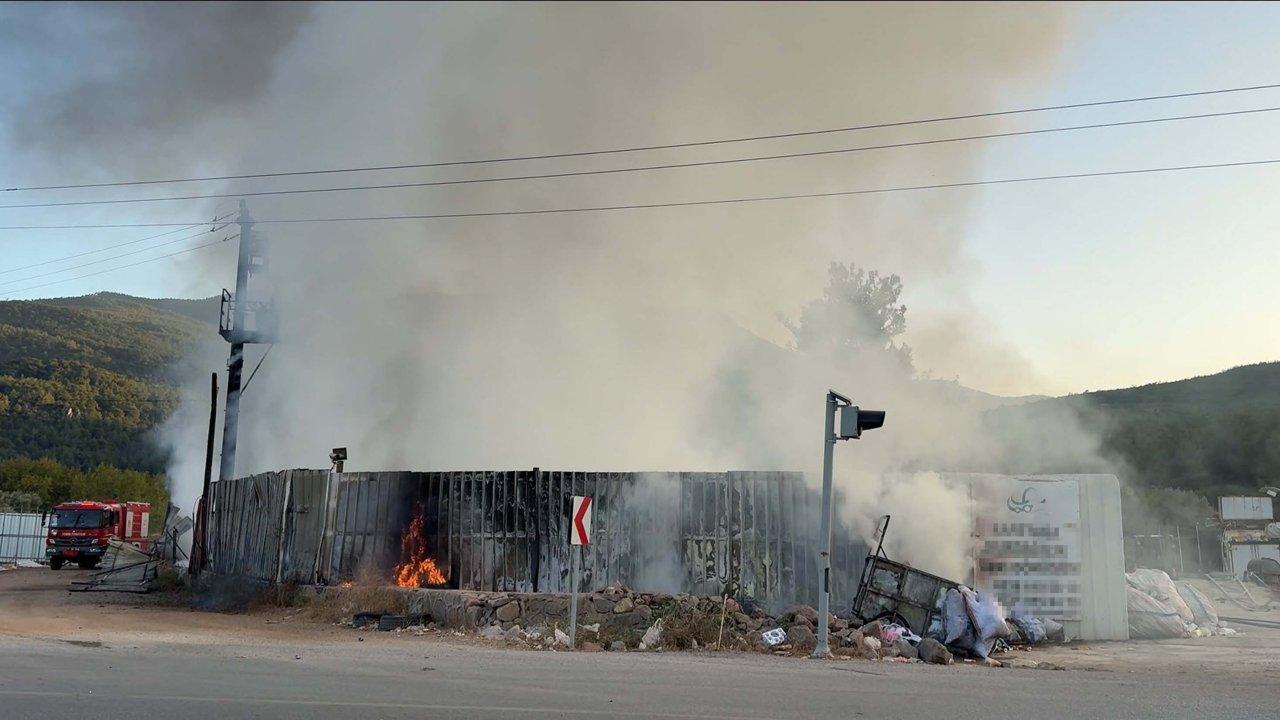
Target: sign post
(579,534)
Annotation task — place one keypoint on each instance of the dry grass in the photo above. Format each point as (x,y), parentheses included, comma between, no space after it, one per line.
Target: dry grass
(681,629)
(168,580)
(333,605)
(287,594)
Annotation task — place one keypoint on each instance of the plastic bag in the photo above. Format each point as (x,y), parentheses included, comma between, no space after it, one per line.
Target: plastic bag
(1203,612)
(987,615)
(1150,619)
(1031,628)
(955,620)
(1053,630)
(891,632)
(1157,584)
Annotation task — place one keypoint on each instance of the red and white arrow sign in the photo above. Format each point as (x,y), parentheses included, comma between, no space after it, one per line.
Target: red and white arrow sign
(581,533)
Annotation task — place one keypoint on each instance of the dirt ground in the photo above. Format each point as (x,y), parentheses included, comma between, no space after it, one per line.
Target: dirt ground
(35,605)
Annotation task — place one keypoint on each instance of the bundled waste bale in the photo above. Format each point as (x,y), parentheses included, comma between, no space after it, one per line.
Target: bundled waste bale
(1203,612)
(1031,628)
(972,621)
(1157,584)
(1150,619)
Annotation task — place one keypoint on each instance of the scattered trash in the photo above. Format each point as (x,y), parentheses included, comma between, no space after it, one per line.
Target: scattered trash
(366,619)
(125,568)
(771,637)
(400,622)
(561,639)
(653,636)
(775,636)
(893,631)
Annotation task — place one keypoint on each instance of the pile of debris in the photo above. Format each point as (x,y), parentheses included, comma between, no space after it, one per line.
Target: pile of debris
(125,568)
(614,618)
(970,626)
(620,619)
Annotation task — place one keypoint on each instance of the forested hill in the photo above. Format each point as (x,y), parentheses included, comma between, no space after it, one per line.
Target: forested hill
(83,379)
(1213,435)
(1245,386)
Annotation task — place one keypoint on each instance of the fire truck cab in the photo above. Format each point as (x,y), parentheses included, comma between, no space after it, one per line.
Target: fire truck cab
(79,530)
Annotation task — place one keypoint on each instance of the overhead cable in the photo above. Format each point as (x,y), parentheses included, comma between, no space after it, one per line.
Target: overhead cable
(112,247)
(644,148)
(642,168)
(692,203)
(19,291)
(113,257)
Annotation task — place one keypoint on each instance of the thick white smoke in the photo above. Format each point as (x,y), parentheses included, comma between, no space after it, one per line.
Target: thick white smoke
(630,340)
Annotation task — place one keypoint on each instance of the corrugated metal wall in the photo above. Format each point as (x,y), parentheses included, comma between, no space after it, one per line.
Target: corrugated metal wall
(749,534)
(22,536)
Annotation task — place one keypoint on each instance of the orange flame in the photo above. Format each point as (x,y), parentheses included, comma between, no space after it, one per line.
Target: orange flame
(416,568)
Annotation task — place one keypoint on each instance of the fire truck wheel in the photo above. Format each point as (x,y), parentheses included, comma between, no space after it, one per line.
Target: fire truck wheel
(87,563)
(56,563)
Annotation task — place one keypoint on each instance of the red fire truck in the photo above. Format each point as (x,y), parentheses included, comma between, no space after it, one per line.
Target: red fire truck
(79,531)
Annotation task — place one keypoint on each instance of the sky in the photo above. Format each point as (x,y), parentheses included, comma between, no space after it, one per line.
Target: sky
(1046,287)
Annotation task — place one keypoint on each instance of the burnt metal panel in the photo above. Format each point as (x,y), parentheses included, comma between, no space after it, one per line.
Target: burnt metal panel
(748,534)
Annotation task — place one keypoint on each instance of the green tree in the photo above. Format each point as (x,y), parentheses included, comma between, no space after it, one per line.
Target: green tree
(858,315)
(51,482)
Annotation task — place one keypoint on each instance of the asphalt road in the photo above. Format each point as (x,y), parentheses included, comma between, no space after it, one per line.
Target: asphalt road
(43,678)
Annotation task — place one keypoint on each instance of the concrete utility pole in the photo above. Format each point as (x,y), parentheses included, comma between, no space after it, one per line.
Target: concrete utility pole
(852,422)
(235,334)
(242,322)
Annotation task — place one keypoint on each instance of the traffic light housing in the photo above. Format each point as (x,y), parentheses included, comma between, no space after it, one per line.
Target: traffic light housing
(853,420)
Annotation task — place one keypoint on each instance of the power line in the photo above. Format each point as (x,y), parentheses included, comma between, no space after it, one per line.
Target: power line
(112,247)
(11,293)
(644,148)
(668,166)
(114,257)
(692,203)
(108,226)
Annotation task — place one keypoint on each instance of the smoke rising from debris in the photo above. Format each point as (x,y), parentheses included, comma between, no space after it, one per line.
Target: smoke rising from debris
(636,340)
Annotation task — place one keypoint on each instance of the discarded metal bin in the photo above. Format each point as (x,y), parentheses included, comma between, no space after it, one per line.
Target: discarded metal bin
(897,591)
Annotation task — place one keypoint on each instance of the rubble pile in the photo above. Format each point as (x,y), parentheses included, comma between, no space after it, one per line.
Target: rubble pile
(620,619)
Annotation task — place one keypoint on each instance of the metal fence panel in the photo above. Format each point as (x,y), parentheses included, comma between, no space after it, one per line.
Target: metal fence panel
(22,536)
(748,534)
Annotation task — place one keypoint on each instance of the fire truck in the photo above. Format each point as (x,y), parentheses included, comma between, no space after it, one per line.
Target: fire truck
(79,530)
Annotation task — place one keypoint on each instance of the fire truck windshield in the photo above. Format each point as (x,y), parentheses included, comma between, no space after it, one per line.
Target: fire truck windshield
(76,519)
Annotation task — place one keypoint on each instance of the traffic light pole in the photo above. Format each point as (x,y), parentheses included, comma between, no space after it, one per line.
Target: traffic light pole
(823,649)
(853,420)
